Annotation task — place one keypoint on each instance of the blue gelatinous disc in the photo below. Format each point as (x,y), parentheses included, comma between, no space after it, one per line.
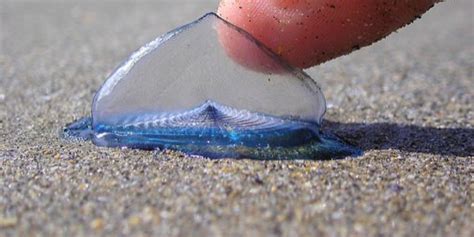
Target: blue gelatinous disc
(208,124)
(183,91)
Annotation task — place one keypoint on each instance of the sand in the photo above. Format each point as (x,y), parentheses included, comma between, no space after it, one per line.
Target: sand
(407,101)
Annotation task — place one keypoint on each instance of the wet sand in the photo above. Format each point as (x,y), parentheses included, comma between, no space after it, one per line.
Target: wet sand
(407,101)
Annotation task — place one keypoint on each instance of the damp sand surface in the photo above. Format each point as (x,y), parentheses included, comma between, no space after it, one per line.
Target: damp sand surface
(407,101)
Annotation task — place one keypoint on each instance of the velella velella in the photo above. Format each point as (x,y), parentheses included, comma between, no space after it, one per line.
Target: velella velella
(183,91)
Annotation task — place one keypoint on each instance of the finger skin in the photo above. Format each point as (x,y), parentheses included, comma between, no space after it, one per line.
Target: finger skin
(308,32)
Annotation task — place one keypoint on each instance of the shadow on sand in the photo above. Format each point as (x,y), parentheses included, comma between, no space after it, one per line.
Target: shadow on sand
(409,138)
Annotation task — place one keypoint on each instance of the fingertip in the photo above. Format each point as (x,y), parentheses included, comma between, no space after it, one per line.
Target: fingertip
(245,52)
(307,33)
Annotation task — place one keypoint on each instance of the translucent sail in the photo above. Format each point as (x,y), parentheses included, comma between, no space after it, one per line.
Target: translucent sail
(188,66)
(187,91)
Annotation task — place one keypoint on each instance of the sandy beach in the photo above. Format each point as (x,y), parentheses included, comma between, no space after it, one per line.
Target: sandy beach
(407,101)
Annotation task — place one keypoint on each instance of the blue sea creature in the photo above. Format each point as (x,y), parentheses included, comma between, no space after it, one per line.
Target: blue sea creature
(182,91)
